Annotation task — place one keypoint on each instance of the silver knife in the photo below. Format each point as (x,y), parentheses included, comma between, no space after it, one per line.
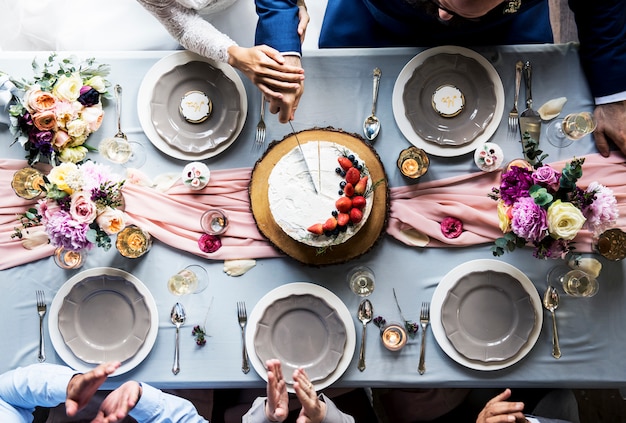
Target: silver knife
(529,119)
(308,170)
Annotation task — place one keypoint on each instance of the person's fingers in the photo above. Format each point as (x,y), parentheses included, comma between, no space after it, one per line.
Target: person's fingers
(602,144)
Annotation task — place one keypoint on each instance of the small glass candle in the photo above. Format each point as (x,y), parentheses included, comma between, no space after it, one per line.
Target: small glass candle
(394,336)
(69,259)
(133,242)
(611,244)
(27,183)
(214,222)
(413,162)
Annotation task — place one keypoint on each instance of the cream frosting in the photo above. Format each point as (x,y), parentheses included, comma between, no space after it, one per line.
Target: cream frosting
(292,199)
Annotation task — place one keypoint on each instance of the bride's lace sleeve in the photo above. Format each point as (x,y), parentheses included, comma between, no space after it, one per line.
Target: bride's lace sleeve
(190,29)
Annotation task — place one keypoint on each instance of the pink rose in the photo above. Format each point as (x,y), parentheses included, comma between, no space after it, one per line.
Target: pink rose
(547,176)
(93,116)
(61,138)
(47,208)
(451,227)
(82,209)
(209,243)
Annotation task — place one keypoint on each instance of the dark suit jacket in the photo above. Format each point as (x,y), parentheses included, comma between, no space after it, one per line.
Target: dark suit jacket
(392,23)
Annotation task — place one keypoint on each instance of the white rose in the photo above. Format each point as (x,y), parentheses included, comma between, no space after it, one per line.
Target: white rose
(77,128)
(111,220)
(93,117)
(97,83)
(73,154)
(564,220)
(68,87)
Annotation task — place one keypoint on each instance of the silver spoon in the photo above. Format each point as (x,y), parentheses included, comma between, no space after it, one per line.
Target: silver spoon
(551,302)
(371,126)
(178,319)
(365,316)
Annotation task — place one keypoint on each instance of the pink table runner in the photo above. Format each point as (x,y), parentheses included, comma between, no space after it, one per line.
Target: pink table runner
(173,216)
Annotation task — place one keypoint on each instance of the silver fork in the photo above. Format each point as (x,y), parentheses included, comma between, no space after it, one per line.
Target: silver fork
(41,310)
(514,114)
(259,139)
(424,320)
(242,316)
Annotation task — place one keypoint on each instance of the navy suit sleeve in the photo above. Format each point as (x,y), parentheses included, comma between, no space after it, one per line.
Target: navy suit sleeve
(278,25)
(602,34)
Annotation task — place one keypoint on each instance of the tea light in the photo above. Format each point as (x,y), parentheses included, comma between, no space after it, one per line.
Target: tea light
(133,242)
(413,162)
(394,336)
(68,259)
(214,222)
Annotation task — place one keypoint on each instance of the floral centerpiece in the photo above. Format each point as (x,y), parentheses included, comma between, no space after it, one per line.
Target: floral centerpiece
(61,106)
(544,207)
(80,208)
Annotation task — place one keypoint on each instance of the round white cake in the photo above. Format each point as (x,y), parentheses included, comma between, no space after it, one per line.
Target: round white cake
(195,107)
(320,209)
(448,101)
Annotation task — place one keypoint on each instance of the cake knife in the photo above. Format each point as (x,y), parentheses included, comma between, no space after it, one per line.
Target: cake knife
(308,170)
(529,119)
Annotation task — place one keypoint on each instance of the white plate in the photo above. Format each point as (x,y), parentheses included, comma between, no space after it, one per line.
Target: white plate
(144,99)
(66,353)
(405,125)
(449,281)
(301,288)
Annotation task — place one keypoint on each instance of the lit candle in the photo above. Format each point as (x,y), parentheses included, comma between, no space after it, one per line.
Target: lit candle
(394,337)
(413,162)
(68,259)
(133,242)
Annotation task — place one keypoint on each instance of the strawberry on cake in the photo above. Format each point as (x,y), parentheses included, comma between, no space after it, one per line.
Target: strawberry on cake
(327,207)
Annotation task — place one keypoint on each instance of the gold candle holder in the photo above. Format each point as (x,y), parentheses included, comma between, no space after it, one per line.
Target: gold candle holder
(69,259)
(611,244)
(27,183)
(413,162)
(394,336)
(133,242)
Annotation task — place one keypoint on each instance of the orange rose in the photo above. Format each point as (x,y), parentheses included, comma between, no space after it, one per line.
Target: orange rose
(39,101)
(45,121)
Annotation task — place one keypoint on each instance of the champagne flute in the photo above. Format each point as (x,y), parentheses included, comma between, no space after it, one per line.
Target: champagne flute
(575,282)
(118,149)
(563,132)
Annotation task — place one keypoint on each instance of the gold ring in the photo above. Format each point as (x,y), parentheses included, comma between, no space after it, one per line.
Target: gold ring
(310,386)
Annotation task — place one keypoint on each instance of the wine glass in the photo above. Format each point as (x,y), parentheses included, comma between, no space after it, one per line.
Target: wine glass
(193,279)
(575,282)
(563,132)
(118,149)
(361,280)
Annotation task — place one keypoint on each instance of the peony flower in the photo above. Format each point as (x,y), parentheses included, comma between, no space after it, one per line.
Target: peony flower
(65,232)
(564,220)
(515,184)
(603,211)
(546,176)
(82,209)
(111,221)
(209,243)
(504,217)
(73,154)
(45,121)
(451,227)
(39,101)
(528,220)
(58,174)
(68,87)
(46,208)
(66,112)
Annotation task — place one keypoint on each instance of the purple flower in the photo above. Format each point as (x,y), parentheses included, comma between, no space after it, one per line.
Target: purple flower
(546,176)
(451,227)
(65,232)
(88,96)
(209,243)
(529,221)
(515,184)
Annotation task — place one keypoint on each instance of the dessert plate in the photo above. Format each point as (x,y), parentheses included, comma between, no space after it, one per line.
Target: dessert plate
(469,131)
(302,331)
(333,303)
(451,280)
(488,316)
(172,126)
(145,98)
(115,292)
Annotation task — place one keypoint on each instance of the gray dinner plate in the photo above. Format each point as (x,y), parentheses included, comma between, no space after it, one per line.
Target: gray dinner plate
(104,318)
(189,137)
(302,331)
(462,72)
(488,316)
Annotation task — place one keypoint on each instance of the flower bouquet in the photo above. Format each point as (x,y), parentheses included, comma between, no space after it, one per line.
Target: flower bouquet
(544,207)
(59,109)
(80,208)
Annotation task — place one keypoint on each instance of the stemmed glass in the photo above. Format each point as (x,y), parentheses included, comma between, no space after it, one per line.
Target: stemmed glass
(361,280)
(118,149)
(575,282)
(563,132)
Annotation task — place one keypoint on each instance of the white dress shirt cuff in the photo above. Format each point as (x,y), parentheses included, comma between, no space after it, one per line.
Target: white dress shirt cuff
(613,98)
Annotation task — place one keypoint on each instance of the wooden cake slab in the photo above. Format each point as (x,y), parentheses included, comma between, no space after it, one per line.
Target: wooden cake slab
(356,246)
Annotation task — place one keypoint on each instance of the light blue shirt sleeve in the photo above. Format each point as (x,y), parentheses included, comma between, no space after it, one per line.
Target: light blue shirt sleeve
(24,388)
(157,406)
(256,414)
